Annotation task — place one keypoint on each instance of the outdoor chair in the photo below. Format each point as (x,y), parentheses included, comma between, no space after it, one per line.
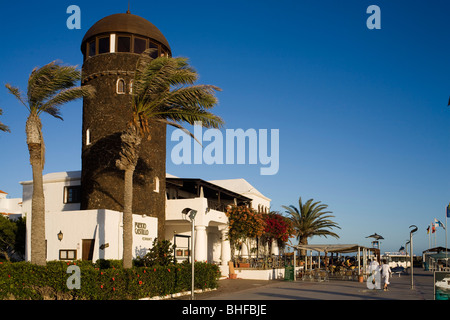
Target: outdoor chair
(308,275)
(349,275)
(322,275)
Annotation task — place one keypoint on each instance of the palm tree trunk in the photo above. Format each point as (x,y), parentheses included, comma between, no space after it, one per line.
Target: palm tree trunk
(303,240)
(35,148)
(128,220)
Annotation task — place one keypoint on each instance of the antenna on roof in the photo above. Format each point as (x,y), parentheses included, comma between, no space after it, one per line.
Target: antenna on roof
(128,11)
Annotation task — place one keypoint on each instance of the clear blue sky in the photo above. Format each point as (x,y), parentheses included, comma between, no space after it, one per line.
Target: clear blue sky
(362,114)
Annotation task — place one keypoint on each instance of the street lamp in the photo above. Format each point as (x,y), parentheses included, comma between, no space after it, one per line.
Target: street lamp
(192,214)
(377,238)
(411,252)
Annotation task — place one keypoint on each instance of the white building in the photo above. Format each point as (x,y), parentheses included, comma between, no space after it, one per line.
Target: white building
(10,208)
(72,233)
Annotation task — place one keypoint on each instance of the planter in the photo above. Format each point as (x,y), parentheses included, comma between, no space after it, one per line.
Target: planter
(244,265)
(361,278)
(232,276)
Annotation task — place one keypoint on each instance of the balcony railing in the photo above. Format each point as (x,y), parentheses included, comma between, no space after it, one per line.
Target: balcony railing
(215,205)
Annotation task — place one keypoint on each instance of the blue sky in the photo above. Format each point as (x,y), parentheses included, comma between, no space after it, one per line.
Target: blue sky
(361,113)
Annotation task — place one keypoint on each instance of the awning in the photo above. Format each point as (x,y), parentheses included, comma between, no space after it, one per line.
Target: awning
(342,248)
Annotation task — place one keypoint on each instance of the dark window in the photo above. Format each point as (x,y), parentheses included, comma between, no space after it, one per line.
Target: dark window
(103,45)
(123,44)
(139,45)
(120,86)
(72,194)
(91,48)
(153,54)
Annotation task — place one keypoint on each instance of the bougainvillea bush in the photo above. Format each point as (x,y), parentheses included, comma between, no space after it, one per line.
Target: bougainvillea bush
(277,227)
(243,223)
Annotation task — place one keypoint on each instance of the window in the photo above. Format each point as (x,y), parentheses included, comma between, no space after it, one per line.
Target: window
(88,137)
(67,254)
(139,45)
(153,54)
(103,45)
(72,194)
(131,86)
(156,185)
(120,86)
(91,48)
(123,44)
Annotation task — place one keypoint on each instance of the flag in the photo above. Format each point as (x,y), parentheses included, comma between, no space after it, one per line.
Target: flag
(440,224)
(448,211)
(433,228)
(428,230)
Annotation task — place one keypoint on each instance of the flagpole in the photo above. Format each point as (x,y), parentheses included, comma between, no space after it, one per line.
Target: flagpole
(429,237)
(446,216)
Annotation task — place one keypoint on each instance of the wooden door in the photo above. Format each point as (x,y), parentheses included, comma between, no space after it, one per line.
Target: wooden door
(87,249)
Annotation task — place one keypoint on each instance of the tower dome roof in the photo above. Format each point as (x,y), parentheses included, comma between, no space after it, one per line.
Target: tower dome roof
(129,23)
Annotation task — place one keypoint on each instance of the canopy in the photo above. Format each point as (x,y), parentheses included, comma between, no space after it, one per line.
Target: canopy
(342,248)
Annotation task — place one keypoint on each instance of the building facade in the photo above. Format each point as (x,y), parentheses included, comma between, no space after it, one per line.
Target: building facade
(84,208)
(10,208)
(72,233)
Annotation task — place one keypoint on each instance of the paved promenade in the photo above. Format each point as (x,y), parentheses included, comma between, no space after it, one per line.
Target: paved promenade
(400,289)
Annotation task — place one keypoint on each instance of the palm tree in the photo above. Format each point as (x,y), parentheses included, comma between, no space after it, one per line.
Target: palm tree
(3,127)
(310,220)
(49,87)
(163,91)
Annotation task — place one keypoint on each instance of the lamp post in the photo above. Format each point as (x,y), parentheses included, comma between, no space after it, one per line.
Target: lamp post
(377,238)
(411,252)
(192,214)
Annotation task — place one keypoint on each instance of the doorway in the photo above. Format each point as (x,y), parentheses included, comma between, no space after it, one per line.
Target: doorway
(87,250)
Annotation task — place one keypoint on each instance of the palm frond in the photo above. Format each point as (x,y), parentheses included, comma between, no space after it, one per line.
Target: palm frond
(310,219)
(3,127)
(46,82)
(18,94)
(64,96)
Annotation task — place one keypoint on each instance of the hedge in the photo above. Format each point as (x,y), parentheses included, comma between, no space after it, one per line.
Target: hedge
(104,280)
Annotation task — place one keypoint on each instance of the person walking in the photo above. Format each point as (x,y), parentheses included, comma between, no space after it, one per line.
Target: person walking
(385,273)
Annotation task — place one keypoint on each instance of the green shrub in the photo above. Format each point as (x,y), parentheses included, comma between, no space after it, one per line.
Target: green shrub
(103,280)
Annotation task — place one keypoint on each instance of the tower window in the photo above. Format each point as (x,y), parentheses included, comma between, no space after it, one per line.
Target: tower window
(123,44)
(88,137)
(120,86)
(131,86)
(139,45)
(91,48)
(153,54)
(156,185)
(103,45)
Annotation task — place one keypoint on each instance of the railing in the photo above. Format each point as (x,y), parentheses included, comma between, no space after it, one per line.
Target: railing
(215,205)
(266,262)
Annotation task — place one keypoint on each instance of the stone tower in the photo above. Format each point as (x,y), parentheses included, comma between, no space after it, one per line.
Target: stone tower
(111,48)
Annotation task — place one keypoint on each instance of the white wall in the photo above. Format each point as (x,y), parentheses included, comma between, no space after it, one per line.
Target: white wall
(104,226)
(54,184)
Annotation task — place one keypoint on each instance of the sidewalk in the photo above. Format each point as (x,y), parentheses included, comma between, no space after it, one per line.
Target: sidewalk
(400,289)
